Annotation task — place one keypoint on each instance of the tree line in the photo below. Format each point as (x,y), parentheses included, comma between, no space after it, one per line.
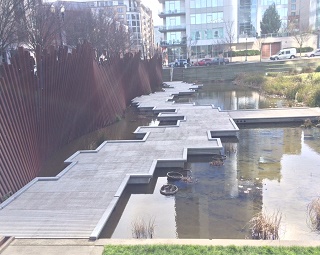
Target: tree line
(32,24)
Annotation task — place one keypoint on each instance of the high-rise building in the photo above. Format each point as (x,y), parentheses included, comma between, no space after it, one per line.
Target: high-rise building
(138,18)
(208,27)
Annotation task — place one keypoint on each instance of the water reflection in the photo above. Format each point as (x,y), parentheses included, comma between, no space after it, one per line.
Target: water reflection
(230,97)
(224,95)
(269,168)
(120,130)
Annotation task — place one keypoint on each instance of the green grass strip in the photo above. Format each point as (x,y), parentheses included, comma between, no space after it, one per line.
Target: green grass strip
(206,250)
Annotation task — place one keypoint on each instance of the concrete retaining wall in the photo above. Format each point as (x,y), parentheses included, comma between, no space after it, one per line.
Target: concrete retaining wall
(230,71)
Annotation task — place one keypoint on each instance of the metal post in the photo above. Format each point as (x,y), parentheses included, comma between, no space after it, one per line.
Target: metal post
(246,47)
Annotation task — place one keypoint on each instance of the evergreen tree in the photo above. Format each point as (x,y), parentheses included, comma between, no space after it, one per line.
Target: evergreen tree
(271,22)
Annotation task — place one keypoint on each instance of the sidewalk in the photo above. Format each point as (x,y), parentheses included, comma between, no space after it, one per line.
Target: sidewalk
(85,247)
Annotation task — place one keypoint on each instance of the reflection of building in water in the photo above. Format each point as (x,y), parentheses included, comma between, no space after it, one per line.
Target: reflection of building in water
(229,99)
(261,151)
(226,198)
(246,100)
(213,207)
(311,137)
(292,141)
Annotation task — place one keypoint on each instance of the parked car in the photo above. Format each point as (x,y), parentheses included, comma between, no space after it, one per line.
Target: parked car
(220,61)
(313,53)
(204,62)
(284,54)
(181,63)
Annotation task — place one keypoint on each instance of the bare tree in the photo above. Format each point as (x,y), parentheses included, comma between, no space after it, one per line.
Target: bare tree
(300,35)
(229,36)
(11,13)
(218,46)
(44,25)
(78,26)
(192,43)
(109,36)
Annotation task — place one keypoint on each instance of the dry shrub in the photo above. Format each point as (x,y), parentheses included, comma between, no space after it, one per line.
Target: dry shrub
(307,123)
(264,226)
(314,214)
(142,230)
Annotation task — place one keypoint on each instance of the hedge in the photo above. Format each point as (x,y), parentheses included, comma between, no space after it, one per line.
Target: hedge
(243,53)
(304,49)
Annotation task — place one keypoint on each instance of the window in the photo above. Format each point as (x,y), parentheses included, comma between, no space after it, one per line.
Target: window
(119,9)
(269,2)
(293,7)
(173,21)
(172,6)
(208,33)
(205,3)
(198,35)
(193,19)
(205,18)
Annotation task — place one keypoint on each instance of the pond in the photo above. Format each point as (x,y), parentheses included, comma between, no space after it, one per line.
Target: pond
(231,97)
(224,95)
(271,168)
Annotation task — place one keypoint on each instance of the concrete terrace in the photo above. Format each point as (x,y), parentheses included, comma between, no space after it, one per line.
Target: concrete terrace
(78,202)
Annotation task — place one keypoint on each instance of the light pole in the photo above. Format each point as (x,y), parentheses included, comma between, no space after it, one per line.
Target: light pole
(246,47)
(61,20)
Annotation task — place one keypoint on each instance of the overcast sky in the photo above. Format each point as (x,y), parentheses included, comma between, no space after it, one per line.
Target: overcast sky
(155,7)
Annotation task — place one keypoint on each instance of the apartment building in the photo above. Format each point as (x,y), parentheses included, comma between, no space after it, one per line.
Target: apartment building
(138,18)
(199,28)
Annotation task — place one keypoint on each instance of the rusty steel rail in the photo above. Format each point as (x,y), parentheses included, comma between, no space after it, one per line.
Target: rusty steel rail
(70,95)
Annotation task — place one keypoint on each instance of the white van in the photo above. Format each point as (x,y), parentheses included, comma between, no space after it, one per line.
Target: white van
(285,53)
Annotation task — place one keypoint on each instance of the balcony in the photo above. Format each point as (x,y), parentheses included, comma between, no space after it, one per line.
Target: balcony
(164,14)
(162,1)
(173,43)
(172,28)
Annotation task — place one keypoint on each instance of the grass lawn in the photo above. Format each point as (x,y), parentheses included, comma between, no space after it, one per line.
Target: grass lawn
(206,250)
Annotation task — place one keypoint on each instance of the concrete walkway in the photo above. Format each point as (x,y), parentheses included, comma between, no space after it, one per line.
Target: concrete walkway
(84,247)
(78,202)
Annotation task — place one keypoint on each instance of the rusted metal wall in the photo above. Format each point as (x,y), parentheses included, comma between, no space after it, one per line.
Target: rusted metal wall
(70,95)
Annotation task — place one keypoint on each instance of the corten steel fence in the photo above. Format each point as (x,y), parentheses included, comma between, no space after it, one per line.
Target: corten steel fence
(69,95)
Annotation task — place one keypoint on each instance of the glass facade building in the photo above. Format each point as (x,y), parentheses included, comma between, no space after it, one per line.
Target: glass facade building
(202,27)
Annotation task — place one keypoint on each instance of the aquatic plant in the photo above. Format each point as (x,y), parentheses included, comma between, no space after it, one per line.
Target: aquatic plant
(142,230)
(307,123)
(313,209)
(264,226)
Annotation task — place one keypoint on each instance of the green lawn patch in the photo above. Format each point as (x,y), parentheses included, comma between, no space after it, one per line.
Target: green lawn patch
(206,250)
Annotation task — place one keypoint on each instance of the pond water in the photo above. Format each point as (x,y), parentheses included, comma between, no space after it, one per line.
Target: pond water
(230,97)
(224,95)
(274,169)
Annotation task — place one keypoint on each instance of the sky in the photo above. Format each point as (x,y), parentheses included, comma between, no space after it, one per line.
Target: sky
(155,7)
